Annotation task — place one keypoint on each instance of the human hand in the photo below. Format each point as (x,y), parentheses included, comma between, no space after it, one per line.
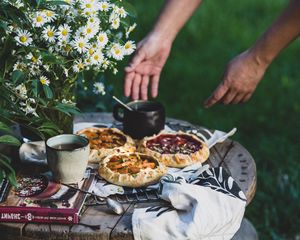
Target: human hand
(240,80)
(146,65)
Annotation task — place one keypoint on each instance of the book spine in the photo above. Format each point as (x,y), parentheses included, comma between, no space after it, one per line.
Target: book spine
(35,215)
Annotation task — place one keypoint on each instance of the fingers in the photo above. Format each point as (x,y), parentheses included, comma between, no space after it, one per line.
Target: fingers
(144,87)
(135,91)
(217,95)
(238,98)
(247,97)
(137,59)
(128,83)
(154,86)
(228,97)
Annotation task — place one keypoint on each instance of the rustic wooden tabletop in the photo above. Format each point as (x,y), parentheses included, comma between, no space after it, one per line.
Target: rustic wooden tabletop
(231,155)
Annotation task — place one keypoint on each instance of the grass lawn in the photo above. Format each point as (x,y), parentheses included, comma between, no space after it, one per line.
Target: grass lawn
(268,125)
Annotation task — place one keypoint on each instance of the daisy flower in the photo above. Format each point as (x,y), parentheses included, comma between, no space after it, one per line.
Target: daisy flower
(21,91)
(91,51)
(44,80)
(19,66)
(94,21)
(89,6)
(105,63)
(120,11)
(80,44)
(79,33)
(32,58)
(78,66)
(67,48)
(89,31)
(102,39)
(49,34)
(115,23)
(97,57)
(99,88)
(116,51)
(23,37)
(104,6)
(50,15)
(63,31)
(129,47)
(39,19)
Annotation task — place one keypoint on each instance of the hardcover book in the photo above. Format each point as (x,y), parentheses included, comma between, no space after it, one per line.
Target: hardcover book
(38,199)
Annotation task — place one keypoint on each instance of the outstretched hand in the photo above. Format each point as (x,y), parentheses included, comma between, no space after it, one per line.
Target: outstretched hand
(146,65)
(240,80)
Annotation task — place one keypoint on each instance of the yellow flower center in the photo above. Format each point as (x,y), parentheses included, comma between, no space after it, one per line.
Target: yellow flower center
(96,57)
(91,51)
(104,6)
(39,19)
(117,51)
(81,45)
(89,30)
(67,48)
(80,65)
(43,81)
(49,14)
(64,32)
(101,39)
(34,59)
(127,45)
(23,38)
(50,33)
(88,5)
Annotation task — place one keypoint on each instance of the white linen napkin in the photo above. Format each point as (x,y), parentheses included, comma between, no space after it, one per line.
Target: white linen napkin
(209,206)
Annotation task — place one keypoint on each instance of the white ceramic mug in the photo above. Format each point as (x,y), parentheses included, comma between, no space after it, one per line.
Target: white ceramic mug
(67,157)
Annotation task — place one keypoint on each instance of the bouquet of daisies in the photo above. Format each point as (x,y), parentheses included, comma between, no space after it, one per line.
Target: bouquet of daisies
(46,45)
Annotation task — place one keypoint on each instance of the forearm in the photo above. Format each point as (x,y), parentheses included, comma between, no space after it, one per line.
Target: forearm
(283,31)
(173,16)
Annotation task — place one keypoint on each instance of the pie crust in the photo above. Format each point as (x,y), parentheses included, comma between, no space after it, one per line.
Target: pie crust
(131,169)
(106,141)
(172,156)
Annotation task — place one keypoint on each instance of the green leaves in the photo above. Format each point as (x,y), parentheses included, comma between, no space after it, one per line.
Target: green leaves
(5,128)
(9,140)
(54,3)
(34,85)
(51,59)
(49,128)
(12,14)
(6,170)
(67,108)
(17,76)
(48,92)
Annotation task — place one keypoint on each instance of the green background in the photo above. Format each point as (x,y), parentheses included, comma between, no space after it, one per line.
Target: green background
(268,125)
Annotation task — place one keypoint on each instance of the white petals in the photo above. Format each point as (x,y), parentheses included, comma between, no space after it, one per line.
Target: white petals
(99,88)
(23,37)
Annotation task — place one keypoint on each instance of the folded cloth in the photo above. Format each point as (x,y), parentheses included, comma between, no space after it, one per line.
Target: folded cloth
(209,205)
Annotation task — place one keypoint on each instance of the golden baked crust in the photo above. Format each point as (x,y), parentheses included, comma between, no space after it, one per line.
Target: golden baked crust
(131,169)
(177,157)
(106,141)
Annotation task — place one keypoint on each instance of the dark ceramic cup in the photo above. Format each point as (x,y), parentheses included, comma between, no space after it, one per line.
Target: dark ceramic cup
(145,119)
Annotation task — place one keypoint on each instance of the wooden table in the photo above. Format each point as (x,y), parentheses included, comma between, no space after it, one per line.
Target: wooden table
(231,155)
